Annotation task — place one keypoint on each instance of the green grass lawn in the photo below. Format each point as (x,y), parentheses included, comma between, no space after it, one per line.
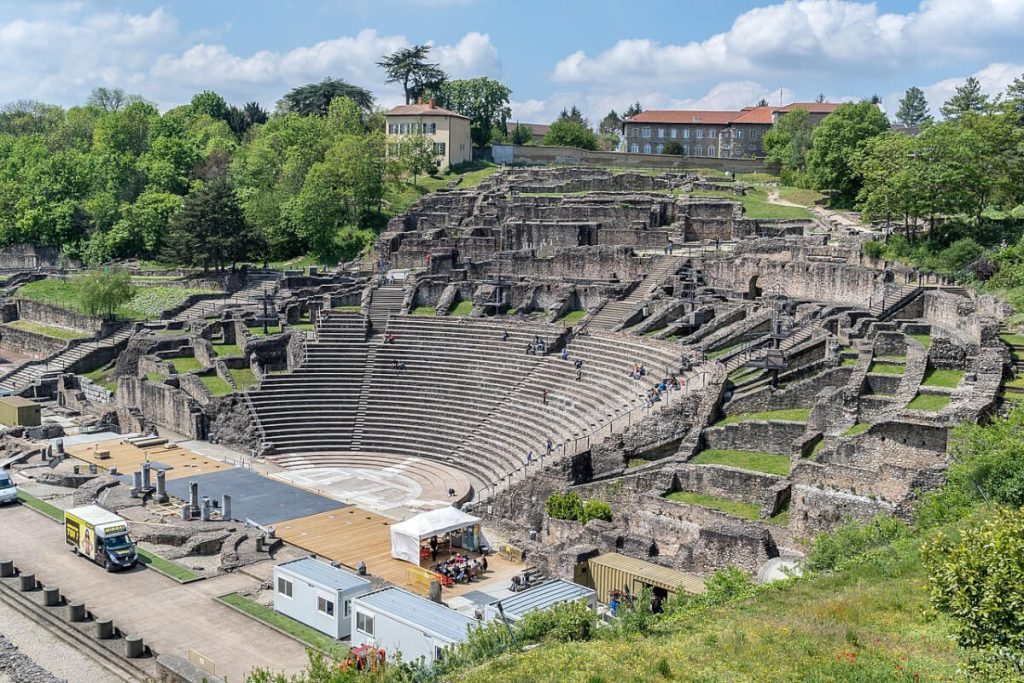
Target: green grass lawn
(244,378)
(295,629)
(216,386)
(164,566)
(718,353)
(855,625)
(348,308)
(1016,382)
(305,326)
(798,195)
(886,368)
(51,511)
(731,507)
(847,362)
(46,330)
(636,462)
(258,331)
(892,359)
(931,402)
(756,205)
(572,317)
(769,463)
(424,311)
(651,333)
(155,377)
(227,350)
(858,428)
(757,177)
(461,309)
(942,378)
(1012,339)
(924,339)
(185,365)
(791,414)
(102,376)
(148,302)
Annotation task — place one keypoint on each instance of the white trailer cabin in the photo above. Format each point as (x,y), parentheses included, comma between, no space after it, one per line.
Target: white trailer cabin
(399,621)
(540,597)
(317,594)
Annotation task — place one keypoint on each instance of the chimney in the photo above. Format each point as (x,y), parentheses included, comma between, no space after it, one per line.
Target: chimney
(433,103)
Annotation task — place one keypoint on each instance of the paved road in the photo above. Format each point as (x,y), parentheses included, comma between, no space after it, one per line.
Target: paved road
(172,618)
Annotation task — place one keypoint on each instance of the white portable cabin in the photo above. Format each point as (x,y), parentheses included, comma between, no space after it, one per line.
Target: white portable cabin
(540,597)
(317,594)
(399,621)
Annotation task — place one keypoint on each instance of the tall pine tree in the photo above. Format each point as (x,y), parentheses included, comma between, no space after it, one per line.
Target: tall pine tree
(968,99)
(913,109)
(210,229)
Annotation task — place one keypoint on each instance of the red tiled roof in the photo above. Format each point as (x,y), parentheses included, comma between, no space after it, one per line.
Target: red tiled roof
(813,107)
(423,110)
(761,115)
(721,118)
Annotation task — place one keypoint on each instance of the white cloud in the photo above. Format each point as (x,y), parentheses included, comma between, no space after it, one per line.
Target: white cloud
(801,37)
(61,56)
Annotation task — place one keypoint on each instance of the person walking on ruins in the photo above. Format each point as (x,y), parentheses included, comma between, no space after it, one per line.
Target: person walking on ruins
(579,374)
(544,396)
(529,458)
(504,335)
(550,445)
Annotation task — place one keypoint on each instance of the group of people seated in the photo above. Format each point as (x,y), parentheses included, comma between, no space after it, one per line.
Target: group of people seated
(638,371)
(460,568)
(669,384)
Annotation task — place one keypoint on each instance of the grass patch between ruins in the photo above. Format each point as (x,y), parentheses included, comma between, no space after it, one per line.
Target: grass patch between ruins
(46,330)
(756,461)
(856,429)
(285,624)
(730,507)
(103,377)
(942,378)
(271,329)
(461,309)
(185,365)
(216,386)
(756,205)
(424,311)
(572,317)
(244,378)
(718,353)
(636,462)
(799,195)
(789,414)
(924,340)
(164,566)
(225,350)
(1012,339)
(348,308)
(148,302)
(886,368)
(847,362)
(931,402)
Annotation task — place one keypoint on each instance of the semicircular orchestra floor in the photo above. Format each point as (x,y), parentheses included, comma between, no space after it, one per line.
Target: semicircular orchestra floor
(375,481)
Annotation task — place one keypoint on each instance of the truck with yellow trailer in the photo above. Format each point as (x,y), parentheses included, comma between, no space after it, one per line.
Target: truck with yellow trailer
(101,536)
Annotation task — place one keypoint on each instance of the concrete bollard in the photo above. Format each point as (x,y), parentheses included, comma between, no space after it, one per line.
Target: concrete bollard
(76,611)
(225,507)
(27,582)
(134,647)
(259,544)
(104,629)
(6,568)
(51,596)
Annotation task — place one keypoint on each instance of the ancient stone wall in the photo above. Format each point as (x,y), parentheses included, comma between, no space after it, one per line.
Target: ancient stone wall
(29,343)
(164,404)
(46,314)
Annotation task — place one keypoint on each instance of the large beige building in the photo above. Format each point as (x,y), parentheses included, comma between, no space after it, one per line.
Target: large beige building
(448,129)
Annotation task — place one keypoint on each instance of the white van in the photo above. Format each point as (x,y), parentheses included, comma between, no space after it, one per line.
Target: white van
(8,491)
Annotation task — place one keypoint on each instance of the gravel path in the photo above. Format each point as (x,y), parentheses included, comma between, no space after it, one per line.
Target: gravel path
(31,654)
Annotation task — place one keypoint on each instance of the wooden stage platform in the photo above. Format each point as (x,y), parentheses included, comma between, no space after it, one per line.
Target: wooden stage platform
(352,535)
(128,458)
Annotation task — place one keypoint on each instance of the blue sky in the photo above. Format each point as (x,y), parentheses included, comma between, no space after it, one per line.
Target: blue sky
(596,54)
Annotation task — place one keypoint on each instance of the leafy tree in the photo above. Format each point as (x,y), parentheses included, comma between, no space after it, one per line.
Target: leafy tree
(343,117)
(611,123)
(968,99)
(1014,98)
(835,142)
(104,291)
(521,135)
(913,109)
(242,119)
(673,147)
(417,156)
(409,66)
(483,100)
(210,229)
(209,103)
(787,142)
(762,102)
(567,133)
(573,115)
(632,110)
(110,99)
(596,509)
(314,99)
(977,579)
(564,505)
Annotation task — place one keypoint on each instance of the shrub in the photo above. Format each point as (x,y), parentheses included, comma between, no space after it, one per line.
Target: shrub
(831,550)
(564,506)
(978,580)
(874,250)
(596,509)
(983,268)
(956,256)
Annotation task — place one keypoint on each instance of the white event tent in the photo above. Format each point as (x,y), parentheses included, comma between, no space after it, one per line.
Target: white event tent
(406,536)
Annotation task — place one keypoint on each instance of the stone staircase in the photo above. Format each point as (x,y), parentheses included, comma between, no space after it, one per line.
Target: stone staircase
(32,371)
(260,283)
(884,306)
(611,315)
(385,301)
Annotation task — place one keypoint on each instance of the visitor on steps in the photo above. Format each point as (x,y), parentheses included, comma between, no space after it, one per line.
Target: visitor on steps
(530,350)
(451,493)
(529,457)
(544,396)
(579,375)
(550,445)
(565,354)
(504,335)
(578,363)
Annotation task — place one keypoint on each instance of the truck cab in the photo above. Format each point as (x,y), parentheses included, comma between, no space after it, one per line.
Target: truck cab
(8,491)
(101,536)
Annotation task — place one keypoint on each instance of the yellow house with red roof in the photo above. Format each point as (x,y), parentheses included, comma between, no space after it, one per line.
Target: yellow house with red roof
(448,130)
